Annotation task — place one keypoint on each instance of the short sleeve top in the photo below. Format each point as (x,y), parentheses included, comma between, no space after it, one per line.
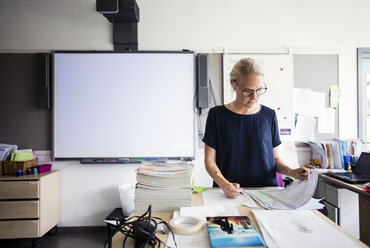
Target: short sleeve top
(244,145)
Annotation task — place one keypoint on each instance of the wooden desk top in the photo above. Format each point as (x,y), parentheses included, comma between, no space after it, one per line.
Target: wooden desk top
(354,187)
(197,200)
(26,177)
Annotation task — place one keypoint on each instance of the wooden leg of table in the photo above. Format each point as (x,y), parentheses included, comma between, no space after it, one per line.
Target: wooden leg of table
(364,206)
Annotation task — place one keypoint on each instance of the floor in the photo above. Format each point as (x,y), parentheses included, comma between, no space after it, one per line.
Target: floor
(66,237)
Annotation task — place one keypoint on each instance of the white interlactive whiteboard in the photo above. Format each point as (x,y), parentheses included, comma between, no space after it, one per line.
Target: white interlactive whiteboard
(123,105)
(278,69)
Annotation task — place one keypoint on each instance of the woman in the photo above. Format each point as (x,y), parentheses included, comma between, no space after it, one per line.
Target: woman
(242,137)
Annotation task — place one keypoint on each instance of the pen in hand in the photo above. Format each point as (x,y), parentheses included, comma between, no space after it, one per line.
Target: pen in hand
(225,181)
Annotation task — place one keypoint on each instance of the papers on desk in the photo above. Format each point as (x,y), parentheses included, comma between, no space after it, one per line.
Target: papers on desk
(213,197)
(203,211)
(296,195)
(320,171)
(299,228)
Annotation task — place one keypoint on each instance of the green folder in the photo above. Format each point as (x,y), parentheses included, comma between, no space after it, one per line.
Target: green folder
(22,156)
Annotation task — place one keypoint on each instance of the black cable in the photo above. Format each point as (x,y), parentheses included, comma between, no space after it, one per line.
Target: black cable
(150,215)
(142,229)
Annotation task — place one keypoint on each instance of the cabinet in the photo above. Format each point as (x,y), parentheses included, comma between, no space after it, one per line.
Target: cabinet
(29,205)
(342,205)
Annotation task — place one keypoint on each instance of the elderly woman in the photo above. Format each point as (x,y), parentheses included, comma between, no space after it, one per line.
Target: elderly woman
(242,137)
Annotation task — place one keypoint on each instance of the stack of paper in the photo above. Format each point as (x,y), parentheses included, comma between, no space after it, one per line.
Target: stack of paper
(6,150)
(164,185)
(299,228)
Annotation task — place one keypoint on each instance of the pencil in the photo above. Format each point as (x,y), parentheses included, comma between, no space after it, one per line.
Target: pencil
(224,179)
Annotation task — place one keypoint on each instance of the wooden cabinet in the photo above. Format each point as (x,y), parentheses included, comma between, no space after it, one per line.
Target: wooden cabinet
(365,219)
(29,205)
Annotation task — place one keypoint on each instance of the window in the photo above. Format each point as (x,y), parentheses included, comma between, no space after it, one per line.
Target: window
(363,80)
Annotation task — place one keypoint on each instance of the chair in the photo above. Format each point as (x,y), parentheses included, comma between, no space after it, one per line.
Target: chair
(279,179)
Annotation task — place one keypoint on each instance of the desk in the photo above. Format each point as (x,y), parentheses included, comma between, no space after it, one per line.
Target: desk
(197,200)
(363,204)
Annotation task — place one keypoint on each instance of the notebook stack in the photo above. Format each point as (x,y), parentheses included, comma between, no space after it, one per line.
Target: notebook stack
(164,185)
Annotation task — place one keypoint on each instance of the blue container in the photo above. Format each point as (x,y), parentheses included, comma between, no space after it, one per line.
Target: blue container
(347,161)
(19,173)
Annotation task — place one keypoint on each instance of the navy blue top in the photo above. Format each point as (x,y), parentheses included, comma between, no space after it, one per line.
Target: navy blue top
(243,145)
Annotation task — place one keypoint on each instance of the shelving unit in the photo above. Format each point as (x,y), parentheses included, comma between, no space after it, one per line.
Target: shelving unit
(29,205)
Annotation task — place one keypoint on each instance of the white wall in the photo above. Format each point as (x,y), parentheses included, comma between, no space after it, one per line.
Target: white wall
(89,192)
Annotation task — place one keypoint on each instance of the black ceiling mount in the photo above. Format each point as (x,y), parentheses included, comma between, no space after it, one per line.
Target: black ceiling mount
(124,14)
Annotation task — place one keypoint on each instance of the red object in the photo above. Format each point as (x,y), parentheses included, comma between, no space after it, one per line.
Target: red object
(281,69)
(43,168)
(367,187)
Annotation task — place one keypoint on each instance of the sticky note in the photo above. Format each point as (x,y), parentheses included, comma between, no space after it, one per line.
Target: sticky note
(198,189)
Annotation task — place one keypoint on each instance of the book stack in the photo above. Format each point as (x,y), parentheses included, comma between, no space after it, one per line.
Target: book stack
(164,185)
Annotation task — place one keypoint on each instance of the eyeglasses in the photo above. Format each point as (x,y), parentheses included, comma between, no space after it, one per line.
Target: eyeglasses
(250,92)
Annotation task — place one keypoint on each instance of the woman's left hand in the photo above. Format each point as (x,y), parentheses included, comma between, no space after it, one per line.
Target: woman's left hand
(300,173)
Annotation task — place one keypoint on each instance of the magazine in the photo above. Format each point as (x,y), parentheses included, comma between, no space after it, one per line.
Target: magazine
(233,231)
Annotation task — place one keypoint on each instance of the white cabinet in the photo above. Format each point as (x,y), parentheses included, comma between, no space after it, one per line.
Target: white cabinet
(342,206)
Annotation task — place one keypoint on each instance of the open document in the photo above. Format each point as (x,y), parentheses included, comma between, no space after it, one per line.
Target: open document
(299,228)
(214,197)
(298,194)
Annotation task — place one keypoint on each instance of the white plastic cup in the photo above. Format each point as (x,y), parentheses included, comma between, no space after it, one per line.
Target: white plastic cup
(127,195)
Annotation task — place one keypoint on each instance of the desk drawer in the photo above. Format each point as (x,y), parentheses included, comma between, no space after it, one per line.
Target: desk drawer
(332,212)
(19,229)
(19,209)
(19,190)
(320,189)
(331,193)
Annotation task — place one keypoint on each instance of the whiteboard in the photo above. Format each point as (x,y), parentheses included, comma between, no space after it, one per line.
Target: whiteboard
(134,105)
(278,78)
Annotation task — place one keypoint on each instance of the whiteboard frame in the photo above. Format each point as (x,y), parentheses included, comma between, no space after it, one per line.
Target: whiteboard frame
(132,158)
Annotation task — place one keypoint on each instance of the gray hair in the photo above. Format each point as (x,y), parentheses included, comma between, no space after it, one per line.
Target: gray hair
(245,67)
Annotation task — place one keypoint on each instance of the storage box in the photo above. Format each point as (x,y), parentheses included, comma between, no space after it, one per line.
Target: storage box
(11,167)
(43,168)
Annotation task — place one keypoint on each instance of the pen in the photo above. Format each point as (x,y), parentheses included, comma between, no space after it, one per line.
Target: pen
(223,179)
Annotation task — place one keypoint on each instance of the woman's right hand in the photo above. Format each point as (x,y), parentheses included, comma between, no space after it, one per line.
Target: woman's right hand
(231,190)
